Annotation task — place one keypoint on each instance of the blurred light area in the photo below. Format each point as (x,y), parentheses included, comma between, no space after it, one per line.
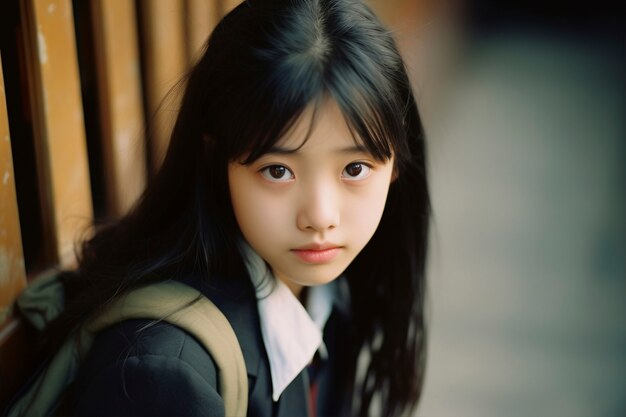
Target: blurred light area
(524,115)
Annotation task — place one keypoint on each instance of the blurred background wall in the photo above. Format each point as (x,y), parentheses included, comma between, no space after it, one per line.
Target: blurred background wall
(524,114)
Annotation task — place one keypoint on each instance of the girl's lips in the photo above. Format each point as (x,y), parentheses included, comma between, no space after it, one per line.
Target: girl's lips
(313,256)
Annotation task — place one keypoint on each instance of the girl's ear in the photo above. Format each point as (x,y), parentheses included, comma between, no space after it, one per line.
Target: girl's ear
(394,175)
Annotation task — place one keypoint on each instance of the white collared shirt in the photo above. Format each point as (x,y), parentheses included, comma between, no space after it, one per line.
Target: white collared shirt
(291,333)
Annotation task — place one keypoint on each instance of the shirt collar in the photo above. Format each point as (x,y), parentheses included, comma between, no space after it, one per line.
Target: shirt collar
(291,335)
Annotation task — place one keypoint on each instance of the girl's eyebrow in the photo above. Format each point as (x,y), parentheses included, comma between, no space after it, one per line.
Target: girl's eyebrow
(346,150)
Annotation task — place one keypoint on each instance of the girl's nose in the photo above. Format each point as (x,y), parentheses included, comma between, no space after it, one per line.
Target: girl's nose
(318,209)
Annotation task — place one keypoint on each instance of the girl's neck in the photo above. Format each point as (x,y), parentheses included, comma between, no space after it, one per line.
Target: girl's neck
(298,290)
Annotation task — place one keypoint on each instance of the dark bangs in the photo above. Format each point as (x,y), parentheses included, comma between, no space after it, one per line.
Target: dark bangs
(374,121)
(293,60)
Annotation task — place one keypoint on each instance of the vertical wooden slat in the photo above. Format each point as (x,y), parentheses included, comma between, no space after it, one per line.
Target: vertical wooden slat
(12,274)
(121,111)
(202,16)
(16,342)
(58,123)
(165,62)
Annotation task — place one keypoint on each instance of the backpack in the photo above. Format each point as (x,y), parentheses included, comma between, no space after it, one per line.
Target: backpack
(170,301)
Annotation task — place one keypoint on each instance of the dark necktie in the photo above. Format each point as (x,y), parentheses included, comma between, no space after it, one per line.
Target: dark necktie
(313,370)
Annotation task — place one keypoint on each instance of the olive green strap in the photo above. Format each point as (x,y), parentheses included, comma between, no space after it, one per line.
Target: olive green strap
(172,302)
(186,308)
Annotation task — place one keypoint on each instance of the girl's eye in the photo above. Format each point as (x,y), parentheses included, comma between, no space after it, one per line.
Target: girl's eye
(356,171)
(277,173)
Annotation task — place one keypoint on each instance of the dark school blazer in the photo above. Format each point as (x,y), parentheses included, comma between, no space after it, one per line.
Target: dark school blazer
(140,368)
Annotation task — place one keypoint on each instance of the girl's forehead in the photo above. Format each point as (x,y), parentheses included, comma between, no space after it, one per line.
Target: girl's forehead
(317,122)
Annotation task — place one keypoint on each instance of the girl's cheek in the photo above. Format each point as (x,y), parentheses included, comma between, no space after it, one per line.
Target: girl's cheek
(368,202)
(259,205)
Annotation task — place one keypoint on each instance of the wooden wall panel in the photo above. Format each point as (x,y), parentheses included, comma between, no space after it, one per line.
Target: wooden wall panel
(202,16)
(121,109)
(12,274)
(58,123)
(165,61)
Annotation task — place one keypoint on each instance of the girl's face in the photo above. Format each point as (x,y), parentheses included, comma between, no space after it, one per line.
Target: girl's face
(309,210)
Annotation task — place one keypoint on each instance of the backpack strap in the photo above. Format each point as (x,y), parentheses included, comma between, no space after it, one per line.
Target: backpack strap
(184,307)
(170,301)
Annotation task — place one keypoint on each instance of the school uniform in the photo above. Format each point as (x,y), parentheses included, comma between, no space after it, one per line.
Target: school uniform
(140,368)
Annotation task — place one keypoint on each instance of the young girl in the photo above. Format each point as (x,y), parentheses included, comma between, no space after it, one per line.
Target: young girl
(294,196)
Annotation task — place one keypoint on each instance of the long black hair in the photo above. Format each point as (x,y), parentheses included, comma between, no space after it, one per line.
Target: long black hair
(265,62)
